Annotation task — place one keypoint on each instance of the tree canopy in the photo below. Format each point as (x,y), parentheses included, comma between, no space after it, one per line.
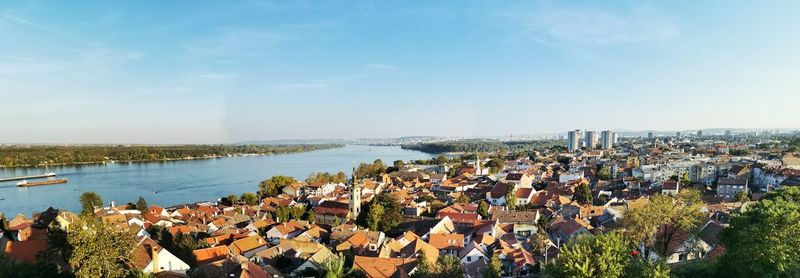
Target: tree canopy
(764,240)
(272,187)
(655,224)
(583,194)
(90,200)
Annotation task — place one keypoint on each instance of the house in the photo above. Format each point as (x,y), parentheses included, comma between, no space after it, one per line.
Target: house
(150,257)
(448,244)
(320,189)
(158,211)
(521,180)
(497,196)
(473,252)
(23,251)
(385,267)
(307,255)
(524,222)
(362,241)
(249,246)
(524,195)
(670,187)
(565,230)
(212,254)
(332,213)
(287,230)
(727,188)
(293,189)
(408,245)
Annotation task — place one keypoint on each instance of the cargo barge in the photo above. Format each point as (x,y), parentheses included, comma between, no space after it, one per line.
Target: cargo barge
(26,183)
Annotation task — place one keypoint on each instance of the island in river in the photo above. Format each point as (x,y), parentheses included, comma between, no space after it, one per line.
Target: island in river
(50,155)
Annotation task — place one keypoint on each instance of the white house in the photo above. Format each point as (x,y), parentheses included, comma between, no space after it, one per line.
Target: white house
(472,252)
(150,257)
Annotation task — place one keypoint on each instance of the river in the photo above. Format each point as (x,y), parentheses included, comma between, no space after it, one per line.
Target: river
(177,182)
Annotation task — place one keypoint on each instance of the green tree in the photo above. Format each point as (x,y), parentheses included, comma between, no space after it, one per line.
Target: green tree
(655,224)
(392,211)
(511,197)
(98,250)
(340,177)
(450,266)
(272,187)
(494,269)
(742,197)
(496,165)
(483,209)
(141,205)
(374,217)
(583,194)
(398,164)
(424,268)
(763,240)
(685,181)
(604,255)
(604,173)
(230,200)
(333,267)
(463,199)
(250,198)
(90,200)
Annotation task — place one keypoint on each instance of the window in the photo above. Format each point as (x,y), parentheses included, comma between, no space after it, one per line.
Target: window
(682,257)
(469,259)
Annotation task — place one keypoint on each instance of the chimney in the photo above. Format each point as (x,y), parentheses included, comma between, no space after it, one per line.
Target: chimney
(154,257)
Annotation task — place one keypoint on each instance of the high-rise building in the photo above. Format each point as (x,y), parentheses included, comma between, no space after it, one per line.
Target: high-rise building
(650,135)
(574,140)
(678,134)
(614,136)
(728,133)
(699,133)
(591,139)
(607,139)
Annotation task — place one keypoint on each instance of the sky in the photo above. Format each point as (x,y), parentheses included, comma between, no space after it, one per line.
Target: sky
(232,71)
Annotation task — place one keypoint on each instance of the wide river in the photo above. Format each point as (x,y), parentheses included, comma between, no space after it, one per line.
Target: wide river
(178,182)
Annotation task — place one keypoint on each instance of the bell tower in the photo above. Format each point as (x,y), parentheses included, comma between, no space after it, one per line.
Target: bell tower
(355,197)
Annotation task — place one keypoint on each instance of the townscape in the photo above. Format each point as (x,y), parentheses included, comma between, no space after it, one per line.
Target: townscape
(681,205)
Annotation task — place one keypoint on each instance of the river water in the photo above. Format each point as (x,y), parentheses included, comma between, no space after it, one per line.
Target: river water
(178,182)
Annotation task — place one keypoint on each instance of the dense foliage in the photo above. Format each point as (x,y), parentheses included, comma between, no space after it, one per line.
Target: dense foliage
(273,186)
(12,156)
(604,255)
(656,224)
(481,146)
(764,240)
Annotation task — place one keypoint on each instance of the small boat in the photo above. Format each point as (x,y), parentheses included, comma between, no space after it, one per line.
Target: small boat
(26,183)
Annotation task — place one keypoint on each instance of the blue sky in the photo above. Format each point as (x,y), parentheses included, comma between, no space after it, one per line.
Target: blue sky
(228,71)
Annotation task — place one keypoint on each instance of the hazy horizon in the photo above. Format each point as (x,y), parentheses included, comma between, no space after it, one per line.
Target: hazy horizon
(227,72)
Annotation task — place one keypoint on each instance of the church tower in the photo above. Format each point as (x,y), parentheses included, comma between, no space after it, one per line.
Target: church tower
(477,165)
(355,197)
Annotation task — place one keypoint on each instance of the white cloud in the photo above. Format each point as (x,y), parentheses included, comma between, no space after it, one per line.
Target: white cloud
(596,26)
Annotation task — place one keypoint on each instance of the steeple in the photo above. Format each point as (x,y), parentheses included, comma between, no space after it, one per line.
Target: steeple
(355,197)
(477,165)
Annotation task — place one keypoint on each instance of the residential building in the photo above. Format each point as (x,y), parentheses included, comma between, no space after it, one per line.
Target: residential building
(574,140)
(591,139)
(606,139)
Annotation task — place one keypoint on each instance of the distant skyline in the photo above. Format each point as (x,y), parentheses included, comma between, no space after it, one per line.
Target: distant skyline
(231,71)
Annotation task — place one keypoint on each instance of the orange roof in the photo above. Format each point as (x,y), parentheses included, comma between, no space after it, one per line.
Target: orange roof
(25,251)
(213,254)
(247,244)
(447,241)
(384,267)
